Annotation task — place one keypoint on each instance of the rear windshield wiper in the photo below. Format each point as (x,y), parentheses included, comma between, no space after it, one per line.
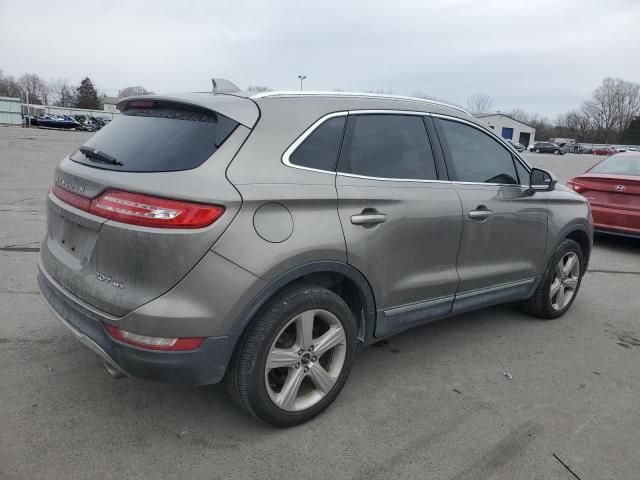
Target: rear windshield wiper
(96,154)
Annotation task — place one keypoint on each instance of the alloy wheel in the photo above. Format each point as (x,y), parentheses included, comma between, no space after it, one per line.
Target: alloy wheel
(565,281)
(305,360)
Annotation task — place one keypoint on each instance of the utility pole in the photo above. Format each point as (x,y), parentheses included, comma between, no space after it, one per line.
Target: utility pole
(302,78)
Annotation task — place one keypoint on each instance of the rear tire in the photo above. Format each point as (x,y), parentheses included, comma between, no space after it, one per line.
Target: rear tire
(560,282)
(537,150)
(295,358)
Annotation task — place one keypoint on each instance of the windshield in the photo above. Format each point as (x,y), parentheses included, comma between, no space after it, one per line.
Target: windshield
(163,137)
(619,165)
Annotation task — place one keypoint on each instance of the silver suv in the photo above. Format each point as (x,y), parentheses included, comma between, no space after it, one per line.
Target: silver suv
(265,239)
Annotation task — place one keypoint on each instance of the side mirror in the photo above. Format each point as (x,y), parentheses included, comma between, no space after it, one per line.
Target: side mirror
(541,180)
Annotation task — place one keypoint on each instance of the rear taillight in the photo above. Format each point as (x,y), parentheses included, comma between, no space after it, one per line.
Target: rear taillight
(143,210)
(154,343)
(576,186)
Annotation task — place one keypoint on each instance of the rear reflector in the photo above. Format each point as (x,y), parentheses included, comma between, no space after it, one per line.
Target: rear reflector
(154,343)
(143,210)
(71,198)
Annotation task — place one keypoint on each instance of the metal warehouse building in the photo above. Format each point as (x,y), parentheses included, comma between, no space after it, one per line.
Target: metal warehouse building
(10,111)
(508,127)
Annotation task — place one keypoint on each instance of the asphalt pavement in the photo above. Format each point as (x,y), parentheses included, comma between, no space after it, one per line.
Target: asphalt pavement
(431,403)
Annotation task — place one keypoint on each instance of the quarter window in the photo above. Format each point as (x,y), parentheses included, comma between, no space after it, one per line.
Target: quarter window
(388,146)
(320,149)
(476,157)
(523,173)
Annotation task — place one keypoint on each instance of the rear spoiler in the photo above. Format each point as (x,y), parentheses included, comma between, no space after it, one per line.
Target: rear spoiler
(241,109)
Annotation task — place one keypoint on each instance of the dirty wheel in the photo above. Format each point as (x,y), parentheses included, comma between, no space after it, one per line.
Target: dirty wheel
(295,358)
(560,282)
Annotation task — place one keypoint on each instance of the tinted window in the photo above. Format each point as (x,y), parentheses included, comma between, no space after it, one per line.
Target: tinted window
(162,138)
(320,149)
(475,156)
(619,165)
(388,146)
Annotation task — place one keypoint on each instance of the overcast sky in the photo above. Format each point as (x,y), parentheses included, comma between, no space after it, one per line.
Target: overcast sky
(542,56)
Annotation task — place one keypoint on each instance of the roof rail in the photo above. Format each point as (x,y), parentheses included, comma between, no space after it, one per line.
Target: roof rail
(295,93)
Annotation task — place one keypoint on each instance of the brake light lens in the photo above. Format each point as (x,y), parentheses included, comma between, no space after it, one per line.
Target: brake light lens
(576,186)
(143,210)
(154,343)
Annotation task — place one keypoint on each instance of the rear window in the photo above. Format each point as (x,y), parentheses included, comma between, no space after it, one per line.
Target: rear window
(619,165)
(157,137)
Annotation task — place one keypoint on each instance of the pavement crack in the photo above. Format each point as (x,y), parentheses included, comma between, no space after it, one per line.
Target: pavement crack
(575,475)
(19,292)
(622,272)
(20,249)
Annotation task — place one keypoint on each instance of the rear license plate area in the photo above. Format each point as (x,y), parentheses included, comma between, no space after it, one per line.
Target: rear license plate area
(69,239)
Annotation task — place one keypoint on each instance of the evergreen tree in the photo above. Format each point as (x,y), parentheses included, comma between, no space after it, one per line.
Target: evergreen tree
(632,135)
(87,95)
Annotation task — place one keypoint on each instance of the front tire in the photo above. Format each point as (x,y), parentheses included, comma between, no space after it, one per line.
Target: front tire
(537,150)
(556,152)
(560,282)
(295,358)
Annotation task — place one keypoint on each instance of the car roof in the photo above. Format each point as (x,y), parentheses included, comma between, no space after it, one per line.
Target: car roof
(355,95)
(244,106)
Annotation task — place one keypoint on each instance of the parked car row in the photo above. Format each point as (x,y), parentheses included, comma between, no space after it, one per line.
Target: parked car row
(595,149)
(66,122)
(90,123)
(599,149)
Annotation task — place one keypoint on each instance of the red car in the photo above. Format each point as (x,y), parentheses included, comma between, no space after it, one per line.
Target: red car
(604,151)
(612,187)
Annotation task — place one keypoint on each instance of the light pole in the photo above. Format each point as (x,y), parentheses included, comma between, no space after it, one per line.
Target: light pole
(302,78)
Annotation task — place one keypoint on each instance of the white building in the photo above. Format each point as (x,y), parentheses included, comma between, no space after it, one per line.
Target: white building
(508,127)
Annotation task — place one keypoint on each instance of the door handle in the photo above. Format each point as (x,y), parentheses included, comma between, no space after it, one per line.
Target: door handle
(480,213)
(368,219)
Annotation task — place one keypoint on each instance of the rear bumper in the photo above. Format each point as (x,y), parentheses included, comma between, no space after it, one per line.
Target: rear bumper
(202,366)
(616,221)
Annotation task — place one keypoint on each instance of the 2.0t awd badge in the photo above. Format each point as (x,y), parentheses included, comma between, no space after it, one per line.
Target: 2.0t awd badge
(103,278)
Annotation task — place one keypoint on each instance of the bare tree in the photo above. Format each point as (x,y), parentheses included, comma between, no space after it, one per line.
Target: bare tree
(35,88)
(380,92)
(601,109)
(258,89)
(479,103)
(9,87)
(131,91)
(520,115)
(61,92)
(626,104)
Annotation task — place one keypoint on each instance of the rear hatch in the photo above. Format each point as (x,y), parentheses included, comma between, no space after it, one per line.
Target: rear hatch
(616,191)
(143,200)
(615,198)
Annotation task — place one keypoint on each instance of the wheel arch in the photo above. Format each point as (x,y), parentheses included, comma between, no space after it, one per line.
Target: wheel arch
(339,277)
(581,237)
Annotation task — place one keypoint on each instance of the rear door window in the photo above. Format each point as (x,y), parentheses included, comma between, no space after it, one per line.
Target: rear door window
(476,157)
(157,137)
(320,149)
(387,146)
